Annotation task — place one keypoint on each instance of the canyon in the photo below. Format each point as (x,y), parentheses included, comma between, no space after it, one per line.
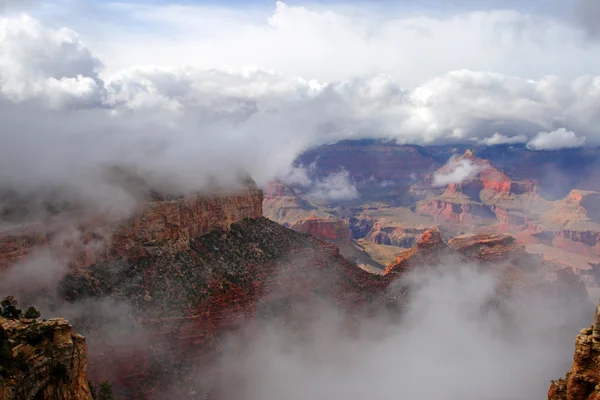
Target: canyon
(582,381)
(42,360)
(506,189)
(159,293)
(157,304)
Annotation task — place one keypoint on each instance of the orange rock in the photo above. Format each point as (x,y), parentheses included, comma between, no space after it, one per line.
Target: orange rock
(328,229)
(157,227)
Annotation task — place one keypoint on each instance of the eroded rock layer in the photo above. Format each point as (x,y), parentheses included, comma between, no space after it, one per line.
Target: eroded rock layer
(182,305)
(582,382)
(163,226)
(42,360)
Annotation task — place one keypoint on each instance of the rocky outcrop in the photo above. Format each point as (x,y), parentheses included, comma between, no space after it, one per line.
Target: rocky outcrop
(182,305)
(582,382)
(329,229)
(487,196)
(392,226)
(162,226)
(488,247)
(430,250)
(42,360)
(283,204)
(574,222)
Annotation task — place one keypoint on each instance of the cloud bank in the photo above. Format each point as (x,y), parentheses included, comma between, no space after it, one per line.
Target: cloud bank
(68,114)
(555,140)
(498,138)
(449,345)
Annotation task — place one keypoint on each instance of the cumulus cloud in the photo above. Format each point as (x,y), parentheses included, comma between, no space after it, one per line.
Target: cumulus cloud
(340,40)
(51,66)
(334,187)
(189,126)
(456,171)
(498,138)
(555,140)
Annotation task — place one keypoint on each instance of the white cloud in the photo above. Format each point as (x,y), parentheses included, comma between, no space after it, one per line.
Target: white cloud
(498,138)
(555,140)
(297,175)
(48,65)
(334,187)
(456,171)
(415,358)
(186,124)
(334,42)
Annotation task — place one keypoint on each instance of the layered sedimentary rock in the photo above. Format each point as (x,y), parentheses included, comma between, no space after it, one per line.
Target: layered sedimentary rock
(376,168)
(42,360)
(503,255)
(430,250)
(329,229)
(284,205)
(394,226)
(485,196)
(182,305)
(582,382)
(156,227)
(574,222)
(488,247)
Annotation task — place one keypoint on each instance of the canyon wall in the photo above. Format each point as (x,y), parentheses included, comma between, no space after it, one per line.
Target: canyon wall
(182,306)
(156,227)
(582,382)
(42,360)
(329,229)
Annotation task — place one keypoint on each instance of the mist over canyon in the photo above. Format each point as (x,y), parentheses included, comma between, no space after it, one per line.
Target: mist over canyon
(321,200)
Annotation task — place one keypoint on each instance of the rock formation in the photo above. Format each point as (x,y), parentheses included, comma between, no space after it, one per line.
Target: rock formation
(329,229)
(582,382)
(183,305)
(485,196)
(377,168)
(156,227)
(284,205)
(488,247)
(430,250)
(574,222)
(42,360)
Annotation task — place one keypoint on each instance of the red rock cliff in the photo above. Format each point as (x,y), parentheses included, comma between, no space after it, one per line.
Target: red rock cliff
(45,360)
(157,227)
(582,382)
(185,304)
(329,229)
(488,196)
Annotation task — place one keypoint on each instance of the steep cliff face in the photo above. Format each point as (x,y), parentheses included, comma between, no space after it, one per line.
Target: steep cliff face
(488,247)
(393,226)
(373,160)
(485,196)
(574,222)
(185,303)
(329,229)
(42,360)
(284,205)
(430,250)
(163,226)
(582,382)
